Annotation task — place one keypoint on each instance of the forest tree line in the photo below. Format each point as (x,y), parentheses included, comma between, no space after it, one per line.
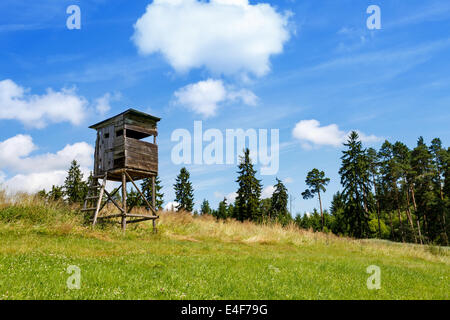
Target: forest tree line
(392,193)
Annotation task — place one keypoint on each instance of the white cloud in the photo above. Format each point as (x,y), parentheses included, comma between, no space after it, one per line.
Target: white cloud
(225,36)
(171,206)
(231,197)
(35,172)
(103,104)
(310,133)
(204,97)
(267,192)
(288,180)
(34,182)
(38,110)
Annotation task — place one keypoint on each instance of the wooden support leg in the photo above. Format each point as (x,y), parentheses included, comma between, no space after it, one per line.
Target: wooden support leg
(99,201)
(154,202)
(124,201)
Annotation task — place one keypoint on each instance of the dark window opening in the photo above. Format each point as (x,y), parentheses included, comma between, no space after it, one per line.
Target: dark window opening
(136,134)
(119,133)
(106,135)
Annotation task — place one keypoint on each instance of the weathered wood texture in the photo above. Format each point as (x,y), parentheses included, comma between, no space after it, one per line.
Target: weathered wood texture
(118,145)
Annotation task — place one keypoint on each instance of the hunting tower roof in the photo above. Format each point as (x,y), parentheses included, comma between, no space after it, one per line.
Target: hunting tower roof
(125,114)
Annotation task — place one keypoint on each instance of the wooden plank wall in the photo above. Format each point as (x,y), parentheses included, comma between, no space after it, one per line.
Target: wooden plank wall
(118,152)
(141,155)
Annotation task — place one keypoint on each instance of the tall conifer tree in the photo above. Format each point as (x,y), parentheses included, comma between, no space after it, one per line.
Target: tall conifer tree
(184,193)
(249,192)
(355,180)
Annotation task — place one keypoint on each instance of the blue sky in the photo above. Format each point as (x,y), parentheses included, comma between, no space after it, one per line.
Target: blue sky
(312,60)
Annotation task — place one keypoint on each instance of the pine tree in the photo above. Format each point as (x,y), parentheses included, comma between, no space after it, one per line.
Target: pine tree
(340,225)
(265,208)
(134,199)
(75,189)
(205,208)
(279,201)
(230,211)
(439,162)
(374,167)
(222,210)
(184,194)
(402,159)
(42,194)
(56,194)
(316,181)
(146,188)
(355,180)
(447,175)
(421,164)
(249,192)
(446,189)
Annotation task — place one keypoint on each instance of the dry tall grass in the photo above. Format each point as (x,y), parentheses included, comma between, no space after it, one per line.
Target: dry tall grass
(27,210)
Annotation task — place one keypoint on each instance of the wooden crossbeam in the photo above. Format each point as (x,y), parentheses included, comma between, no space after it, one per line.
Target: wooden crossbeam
(124,211)
(139,220)
(140,193)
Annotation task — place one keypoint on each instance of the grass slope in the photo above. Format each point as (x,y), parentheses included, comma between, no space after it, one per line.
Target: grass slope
(200,258)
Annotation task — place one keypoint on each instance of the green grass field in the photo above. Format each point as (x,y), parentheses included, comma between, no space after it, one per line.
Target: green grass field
(200,258)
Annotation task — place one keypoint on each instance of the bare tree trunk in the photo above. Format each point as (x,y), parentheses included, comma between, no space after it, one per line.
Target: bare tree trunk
(399,213)
(408,213)
(413,198)
(378,206)
(390,223)
(415,210)
(321,212)
(418,229)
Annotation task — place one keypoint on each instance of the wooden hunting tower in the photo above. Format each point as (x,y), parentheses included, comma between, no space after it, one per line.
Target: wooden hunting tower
(121,155)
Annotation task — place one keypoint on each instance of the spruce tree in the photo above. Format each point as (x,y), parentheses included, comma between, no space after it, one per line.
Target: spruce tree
(354,173)
(205,208)
(337,209)
(279,201)
(316,181)
(147,190)
(265,207)
(222,210)
(184,193)
(374,167)
(249,192)
(134,199)
(230,211)
(56,194)
(75,189)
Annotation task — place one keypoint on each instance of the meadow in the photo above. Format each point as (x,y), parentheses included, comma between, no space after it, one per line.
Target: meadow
(201,258)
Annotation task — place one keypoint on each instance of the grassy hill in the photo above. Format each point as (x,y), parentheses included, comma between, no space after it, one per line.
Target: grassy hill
(200,258)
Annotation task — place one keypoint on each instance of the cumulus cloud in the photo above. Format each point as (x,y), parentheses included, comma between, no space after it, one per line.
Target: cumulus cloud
(38,110)
(288,180)
(231,197)
(267,192)
(35,172)
(171,206)
(310,133)
(204,97)
(103,104)
(225,36)
(34,182)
